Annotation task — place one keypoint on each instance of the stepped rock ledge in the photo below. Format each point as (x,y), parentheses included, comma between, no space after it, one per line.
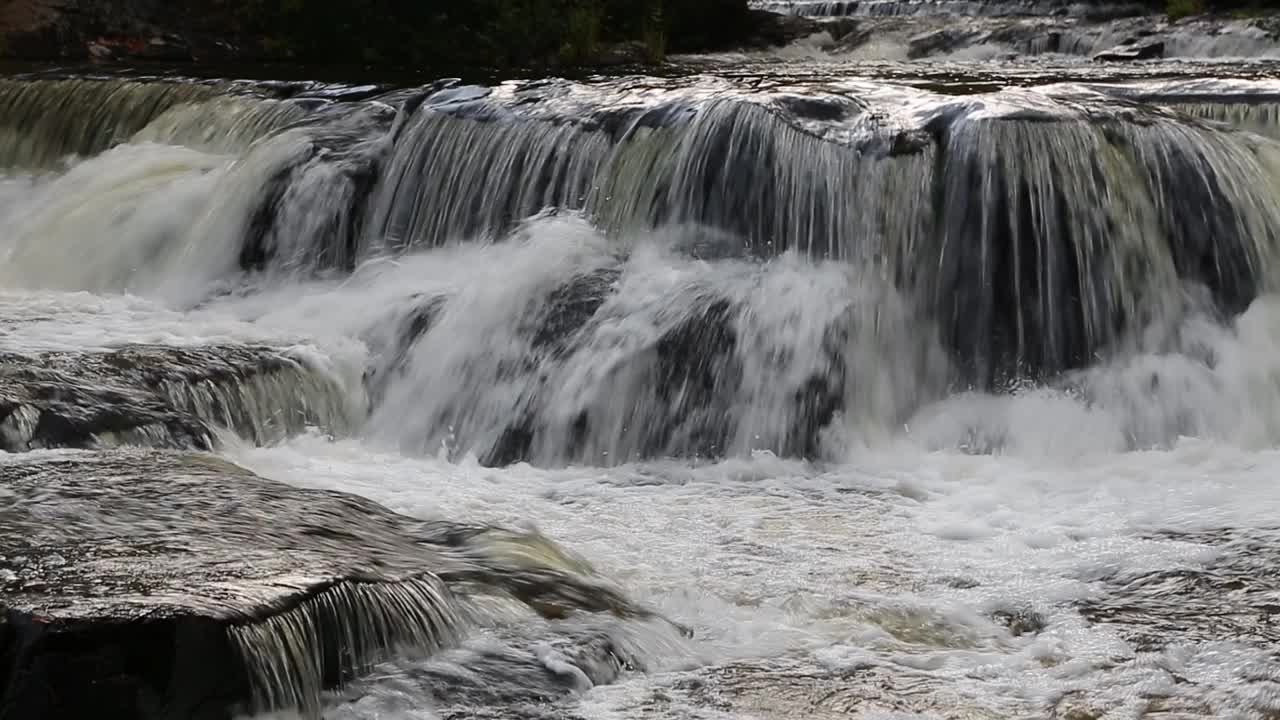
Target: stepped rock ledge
(152,584)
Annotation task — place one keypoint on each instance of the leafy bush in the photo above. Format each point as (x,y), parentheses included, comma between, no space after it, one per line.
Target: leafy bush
(484,32)
(1178,9)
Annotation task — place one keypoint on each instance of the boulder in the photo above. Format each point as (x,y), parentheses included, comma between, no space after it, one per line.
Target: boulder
(152,584)
(1133,51)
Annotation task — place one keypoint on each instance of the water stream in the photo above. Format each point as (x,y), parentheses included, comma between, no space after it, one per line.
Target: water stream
(939,384)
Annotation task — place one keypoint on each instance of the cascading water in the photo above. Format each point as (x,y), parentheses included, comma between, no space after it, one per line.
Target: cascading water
(948,8)
(888,381)
(968,30)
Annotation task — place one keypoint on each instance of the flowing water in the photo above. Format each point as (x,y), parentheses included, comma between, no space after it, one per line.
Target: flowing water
(933,384)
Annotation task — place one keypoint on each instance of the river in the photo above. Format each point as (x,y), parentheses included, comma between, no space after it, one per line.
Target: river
(938,383)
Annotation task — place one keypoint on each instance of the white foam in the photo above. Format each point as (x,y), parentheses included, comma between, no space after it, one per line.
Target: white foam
(771,559)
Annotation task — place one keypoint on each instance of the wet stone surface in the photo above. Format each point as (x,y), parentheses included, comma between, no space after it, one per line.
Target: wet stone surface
(161,397)
(152,583)
(1233,597)
(127,535)
(143,580)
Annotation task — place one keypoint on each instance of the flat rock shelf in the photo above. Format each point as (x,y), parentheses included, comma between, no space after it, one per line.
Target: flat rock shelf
(154,584)
(146,584)
(164,397)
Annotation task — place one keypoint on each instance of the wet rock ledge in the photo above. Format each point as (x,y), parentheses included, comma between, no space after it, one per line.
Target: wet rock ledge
(163,397)
(158,584)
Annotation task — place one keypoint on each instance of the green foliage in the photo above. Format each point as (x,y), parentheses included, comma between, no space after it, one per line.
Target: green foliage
(1178,9)
(1249,12)
(481,32)
(653,32)
(582,33)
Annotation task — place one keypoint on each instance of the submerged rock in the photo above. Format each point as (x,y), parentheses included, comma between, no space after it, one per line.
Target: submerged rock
(1232,598)
(511,673)
(145,584)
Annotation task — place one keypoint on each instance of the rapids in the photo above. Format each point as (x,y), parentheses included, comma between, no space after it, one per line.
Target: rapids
(935,383)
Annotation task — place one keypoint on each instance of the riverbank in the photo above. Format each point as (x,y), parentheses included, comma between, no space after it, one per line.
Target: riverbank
(502,33)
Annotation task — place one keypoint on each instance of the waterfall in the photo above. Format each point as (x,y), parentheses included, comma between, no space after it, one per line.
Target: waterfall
(48,120)
(608,270)
(1259,117)
(945,8)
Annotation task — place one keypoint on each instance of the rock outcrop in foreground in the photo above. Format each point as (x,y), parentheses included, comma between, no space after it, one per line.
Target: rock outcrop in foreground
(144,584)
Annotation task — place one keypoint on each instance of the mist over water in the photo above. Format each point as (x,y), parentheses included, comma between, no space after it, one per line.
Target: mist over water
(929,387)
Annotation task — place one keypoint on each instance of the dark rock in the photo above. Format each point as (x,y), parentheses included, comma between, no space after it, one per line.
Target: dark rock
(570,306)
(1021,621)
(849,41)
(910,142)
(822,109)
(392,354)
(680,387)
(1131,52)
(696,373)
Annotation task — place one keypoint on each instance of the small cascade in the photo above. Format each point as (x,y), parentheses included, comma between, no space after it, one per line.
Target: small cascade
(45,121)
(265,405)
(741,167)
(222,124)
(944,8)
(1262,118)
(455,178)
(293,656)
(171,221)
(1073,245)
(162,397)
(313,209)
(968,30)
(1212,38)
